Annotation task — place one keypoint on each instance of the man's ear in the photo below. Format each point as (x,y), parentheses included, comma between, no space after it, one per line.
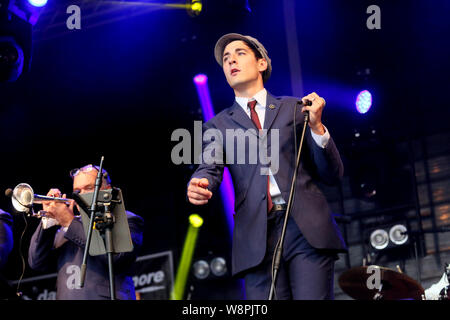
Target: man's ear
(262,65)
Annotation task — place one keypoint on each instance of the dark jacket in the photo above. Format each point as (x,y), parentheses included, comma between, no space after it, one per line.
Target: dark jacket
(68,251)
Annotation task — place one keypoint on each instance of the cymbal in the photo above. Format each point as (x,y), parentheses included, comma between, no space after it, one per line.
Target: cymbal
(395,285)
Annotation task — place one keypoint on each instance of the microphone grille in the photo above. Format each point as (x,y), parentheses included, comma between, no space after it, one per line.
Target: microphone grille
(9,192)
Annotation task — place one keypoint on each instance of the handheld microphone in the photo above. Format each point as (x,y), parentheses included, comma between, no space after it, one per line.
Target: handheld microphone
(306,103)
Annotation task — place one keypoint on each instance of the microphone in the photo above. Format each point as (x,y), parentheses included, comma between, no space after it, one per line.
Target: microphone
(9,193)
(306,112)
(306,103)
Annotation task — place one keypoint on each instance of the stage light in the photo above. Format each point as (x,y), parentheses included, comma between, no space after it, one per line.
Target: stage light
(398,235)
(201,269)
(195,220)
(196,7)
(11,59)
(363,101)
(200,79)
(17,18)
(210,268)
(218,266)
(379,239)
(37,3)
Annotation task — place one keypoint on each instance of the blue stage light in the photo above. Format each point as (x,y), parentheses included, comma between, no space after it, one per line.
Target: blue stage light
(363,101)
(38,3)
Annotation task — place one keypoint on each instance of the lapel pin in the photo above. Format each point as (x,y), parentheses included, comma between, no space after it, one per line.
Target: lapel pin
(271,106)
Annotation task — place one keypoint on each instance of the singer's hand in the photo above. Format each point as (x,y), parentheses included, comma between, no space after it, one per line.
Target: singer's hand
(315,112)
(197,192)
(60,211)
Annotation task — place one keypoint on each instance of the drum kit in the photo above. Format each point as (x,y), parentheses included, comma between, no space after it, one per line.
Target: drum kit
(380,283)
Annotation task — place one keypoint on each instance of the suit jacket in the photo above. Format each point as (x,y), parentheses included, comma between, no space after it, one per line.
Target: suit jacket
(48,245)
(310,208)
(6,237)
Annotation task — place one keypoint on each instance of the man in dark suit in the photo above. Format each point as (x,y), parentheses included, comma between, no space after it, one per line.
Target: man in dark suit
(312,237)
(61,236)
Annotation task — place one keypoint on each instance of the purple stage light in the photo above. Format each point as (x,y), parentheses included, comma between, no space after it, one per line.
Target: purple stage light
(200,79)
(363,101)
(201,82)
(226,188)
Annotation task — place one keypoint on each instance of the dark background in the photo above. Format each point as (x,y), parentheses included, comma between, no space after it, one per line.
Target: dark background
(120,86)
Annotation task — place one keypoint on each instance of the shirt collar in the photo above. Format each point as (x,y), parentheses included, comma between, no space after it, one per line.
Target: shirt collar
(260,97)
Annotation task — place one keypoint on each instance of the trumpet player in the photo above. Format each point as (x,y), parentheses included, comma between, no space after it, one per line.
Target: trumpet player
(60,235)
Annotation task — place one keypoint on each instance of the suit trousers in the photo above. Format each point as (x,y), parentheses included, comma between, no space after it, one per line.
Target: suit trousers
(305,273)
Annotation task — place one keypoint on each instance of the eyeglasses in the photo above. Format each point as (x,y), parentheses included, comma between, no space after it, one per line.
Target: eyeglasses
(74,172)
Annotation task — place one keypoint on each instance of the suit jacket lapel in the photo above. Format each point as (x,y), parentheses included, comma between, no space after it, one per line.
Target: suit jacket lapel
(272,109)
(239,116)
(59,238)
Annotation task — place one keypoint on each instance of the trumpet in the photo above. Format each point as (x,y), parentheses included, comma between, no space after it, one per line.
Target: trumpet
(23,198)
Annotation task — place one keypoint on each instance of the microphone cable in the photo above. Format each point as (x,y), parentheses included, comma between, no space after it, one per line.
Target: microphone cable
(21,254)
(9,193)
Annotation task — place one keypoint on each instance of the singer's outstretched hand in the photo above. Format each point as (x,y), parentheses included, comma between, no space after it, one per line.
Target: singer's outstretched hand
(315,112)
(197,192)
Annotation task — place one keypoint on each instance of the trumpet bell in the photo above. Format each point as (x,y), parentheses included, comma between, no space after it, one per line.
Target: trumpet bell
(23,197)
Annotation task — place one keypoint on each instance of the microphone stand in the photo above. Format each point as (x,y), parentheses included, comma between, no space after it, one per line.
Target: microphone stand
(104,223)
(108,223)
(279,249)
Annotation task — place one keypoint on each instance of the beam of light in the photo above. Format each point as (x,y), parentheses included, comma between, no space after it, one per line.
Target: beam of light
(363,101)
(195,7)
(149,4)
(195,222)
(201,82)
(226,188)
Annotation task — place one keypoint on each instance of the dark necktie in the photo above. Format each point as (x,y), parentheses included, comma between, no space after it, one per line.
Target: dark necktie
(255,119)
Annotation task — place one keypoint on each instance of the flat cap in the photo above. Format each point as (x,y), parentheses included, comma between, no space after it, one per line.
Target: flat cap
(229,37)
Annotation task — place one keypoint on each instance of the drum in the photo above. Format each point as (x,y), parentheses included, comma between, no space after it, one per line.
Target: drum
(393,285)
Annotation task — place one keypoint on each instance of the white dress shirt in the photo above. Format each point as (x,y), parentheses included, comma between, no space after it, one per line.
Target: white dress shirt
(261,98)
(50,222)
